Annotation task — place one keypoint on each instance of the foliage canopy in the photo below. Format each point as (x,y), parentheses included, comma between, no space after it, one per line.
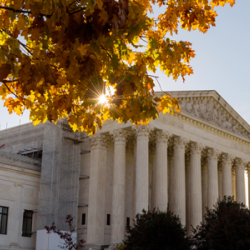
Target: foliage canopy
(56,56)
(156,230)
(226,227)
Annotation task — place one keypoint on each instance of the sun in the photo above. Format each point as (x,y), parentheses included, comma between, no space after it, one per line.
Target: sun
(102,99)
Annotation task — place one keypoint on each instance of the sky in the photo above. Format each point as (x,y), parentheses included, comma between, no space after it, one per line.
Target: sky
(221,62)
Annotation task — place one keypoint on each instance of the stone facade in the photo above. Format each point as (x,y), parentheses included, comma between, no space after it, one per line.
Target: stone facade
(184,162)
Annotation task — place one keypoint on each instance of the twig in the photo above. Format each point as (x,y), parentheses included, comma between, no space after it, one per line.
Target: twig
(18,97)
(23,11)
(161,88)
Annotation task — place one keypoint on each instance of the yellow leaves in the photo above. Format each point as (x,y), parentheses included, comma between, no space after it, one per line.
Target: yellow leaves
(3,91)
(222,2)
(13,105)
(21,24)
(131,57)
(32,96)
(68,55)
(83,49)
(28,104)
(168,104)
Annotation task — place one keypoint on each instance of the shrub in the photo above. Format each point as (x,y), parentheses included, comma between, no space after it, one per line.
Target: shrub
(227,226)
(156,230)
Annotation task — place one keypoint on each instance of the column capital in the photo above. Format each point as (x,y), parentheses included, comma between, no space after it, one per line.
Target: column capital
(228,158)
(180,142)
(241,163)
(214,154)
(196,148)
(143,131)
(99,140)
(162,136)
(119,135)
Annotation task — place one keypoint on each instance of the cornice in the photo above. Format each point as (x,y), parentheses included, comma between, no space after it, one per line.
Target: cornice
(238,142)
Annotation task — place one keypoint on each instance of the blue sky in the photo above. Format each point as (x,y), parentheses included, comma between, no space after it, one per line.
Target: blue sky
(221,62)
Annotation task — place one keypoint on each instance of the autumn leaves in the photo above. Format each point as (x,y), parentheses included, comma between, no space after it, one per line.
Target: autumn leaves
(56,57)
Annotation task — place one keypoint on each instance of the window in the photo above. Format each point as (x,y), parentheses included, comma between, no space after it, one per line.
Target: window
(3,220)
(27,223)
(128,222)
(83,219)
(108,219)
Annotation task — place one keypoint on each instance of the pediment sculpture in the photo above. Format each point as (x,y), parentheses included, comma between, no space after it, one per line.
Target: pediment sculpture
(211,110)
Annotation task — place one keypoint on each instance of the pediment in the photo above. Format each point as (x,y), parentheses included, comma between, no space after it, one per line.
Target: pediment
(212,108)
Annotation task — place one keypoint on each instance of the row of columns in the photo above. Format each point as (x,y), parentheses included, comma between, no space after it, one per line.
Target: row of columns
(197,197)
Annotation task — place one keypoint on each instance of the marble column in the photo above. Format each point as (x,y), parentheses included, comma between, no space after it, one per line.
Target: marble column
(134,177)
(178,205)
(152,164)
(119,186)
(187,181)
(220,180)
(170,176)
(141,175)
(97,182)
(195,185)
(240,181)
(234,182)
(204,184)
(161,171)
(248,176)
(227,188)
(213,190)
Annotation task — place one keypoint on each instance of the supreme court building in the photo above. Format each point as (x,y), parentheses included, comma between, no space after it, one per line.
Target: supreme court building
(184,162)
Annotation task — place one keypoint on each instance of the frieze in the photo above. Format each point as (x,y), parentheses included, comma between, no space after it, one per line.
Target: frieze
(240,148)
(209,109)
(169,119)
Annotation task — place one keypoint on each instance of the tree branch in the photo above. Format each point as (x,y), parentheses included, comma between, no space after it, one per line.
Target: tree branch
(23,11)
(81,9)
(18,11)
(18,97)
